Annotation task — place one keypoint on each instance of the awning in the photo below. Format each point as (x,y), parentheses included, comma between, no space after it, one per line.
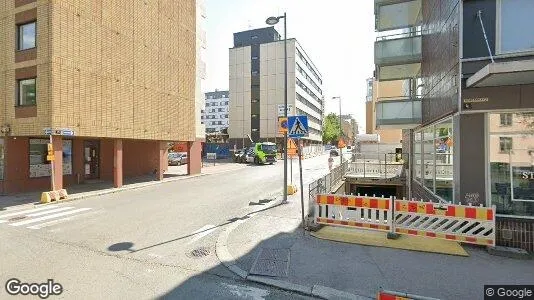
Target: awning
(503,73)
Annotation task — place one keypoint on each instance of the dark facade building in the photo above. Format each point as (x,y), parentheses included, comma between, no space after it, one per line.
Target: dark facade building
(471,65)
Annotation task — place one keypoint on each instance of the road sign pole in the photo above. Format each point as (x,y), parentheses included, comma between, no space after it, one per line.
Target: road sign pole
(291,169)
(301,187)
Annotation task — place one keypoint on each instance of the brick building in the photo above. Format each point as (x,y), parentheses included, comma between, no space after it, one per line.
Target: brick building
(120,75)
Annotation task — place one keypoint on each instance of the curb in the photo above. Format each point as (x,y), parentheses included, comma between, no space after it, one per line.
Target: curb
(224,256)
(118,190)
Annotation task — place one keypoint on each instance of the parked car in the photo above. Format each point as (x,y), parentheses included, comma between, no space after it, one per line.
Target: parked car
(177,158)
(243,156)
(237,155)
(334,152)
(249,157)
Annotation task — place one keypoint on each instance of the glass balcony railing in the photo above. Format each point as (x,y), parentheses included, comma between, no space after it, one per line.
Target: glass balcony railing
(396,14)
(398,72)
(398,50)
(398,113)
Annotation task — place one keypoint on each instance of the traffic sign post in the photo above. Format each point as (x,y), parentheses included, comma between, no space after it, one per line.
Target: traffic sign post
(297,126)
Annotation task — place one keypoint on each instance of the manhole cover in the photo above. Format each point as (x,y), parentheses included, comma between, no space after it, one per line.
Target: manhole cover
(199,252)
(17,218)
(271,262)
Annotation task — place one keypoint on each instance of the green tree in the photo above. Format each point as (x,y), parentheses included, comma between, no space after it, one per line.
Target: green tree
(331,128)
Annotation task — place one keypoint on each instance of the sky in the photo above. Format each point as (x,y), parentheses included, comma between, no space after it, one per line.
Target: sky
(338,35)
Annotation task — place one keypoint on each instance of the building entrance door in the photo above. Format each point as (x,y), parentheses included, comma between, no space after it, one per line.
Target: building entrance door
(92,159)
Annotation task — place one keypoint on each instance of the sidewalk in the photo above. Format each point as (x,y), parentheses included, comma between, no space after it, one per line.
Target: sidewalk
(335,270)
(98,188)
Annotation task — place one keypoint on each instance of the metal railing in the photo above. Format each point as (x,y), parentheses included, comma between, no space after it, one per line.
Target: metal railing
(325,184)
(387,165)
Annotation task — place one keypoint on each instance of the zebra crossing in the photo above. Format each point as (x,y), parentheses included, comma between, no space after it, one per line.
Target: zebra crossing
(41,217)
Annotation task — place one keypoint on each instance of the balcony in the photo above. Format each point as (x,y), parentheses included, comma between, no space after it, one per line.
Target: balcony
(396,14)
(398,113)
(398,51)
(398,56)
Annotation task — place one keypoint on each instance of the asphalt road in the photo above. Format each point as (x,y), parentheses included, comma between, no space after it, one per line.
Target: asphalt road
(148,243)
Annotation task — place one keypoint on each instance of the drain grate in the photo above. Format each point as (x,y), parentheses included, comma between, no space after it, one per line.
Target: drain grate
(271,262)
(17,218)
(199,252)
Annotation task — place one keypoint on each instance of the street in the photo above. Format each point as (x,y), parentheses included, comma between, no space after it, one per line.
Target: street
(157,241)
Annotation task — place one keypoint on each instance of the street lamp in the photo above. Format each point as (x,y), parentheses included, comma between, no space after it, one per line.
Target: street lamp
(273,21)
(340,130)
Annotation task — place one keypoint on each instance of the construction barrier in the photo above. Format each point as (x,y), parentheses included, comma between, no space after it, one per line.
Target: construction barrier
(466,224)
(47,197)
(389,295)
(354,211)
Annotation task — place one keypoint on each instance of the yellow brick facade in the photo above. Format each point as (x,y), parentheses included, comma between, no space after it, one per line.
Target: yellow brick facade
(114,69)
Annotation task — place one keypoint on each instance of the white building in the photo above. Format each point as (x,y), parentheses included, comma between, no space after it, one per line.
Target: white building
(256,74)
(216,114)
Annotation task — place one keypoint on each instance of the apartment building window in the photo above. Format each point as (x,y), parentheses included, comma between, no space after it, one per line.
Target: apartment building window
(506,119)
(26,92)
(26,36)
(513,21)
(220,109)
(505,144)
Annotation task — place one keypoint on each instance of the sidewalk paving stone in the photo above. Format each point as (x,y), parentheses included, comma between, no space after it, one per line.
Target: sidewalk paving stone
(364,270)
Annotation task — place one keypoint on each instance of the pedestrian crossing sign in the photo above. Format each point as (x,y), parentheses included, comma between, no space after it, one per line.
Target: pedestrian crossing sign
(297,126)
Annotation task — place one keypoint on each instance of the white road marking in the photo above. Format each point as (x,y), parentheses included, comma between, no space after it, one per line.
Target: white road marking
(50,211)
(39,226)
(66,213)
(154,255)
(26,211)
(202,232)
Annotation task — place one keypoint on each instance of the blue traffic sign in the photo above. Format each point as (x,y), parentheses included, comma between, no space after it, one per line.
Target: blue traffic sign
(297,126)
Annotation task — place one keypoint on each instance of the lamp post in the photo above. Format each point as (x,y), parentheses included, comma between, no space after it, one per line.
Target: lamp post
(340,130)
(273,21)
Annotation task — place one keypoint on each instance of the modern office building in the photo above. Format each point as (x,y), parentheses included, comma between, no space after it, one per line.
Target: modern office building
(375,117)
(474,143)
(216,115)
(257,87)
(119,75)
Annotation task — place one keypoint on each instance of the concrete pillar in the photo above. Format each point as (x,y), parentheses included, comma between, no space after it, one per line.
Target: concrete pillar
(194,150)
(162,160)
(57,143)
(117,163)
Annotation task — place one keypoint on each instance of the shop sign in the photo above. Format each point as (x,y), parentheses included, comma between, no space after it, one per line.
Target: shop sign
(528,175)
(476,100)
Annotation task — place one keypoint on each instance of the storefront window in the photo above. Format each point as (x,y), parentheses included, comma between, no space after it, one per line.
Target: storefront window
(511,164)
(444,152)
(417,155)
(428,158)
(433,159)
(39,166)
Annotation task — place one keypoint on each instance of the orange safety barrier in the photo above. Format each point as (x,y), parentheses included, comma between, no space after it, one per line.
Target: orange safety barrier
(388,295)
